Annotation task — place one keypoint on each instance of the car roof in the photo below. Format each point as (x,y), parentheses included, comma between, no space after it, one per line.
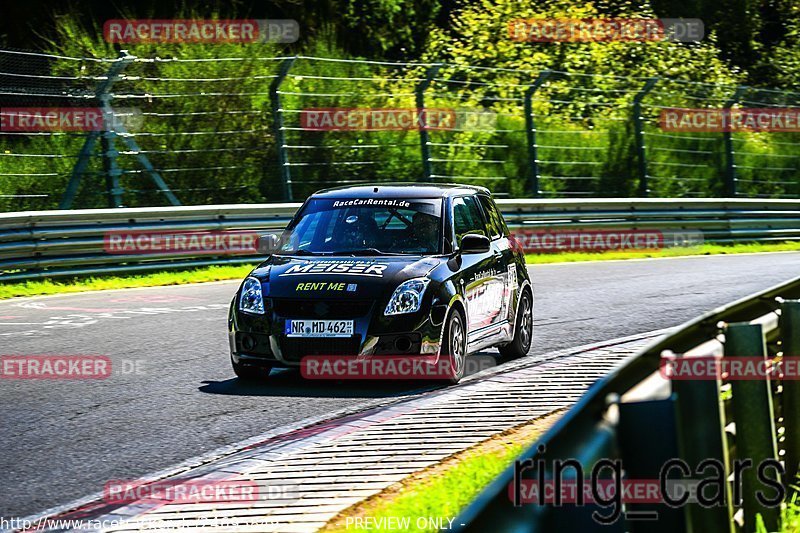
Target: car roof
(401,190)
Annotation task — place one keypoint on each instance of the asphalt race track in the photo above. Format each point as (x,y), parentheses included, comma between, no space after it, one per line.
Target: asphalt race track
(173,395)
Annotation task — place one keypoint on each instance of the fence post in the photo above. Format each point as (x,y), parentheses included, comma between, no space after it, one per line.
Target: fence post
(727,139)
(112,171)
(277,126)
(530,128)
(638,130)
(790,399)
(424,138)
(755,423)
(134,147)
(110,167)
(78,170)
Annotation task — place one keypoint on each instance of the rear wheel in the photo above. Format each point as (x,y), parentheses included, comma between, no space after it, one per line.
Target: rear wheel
(250,372)
(523,330)
(454,347)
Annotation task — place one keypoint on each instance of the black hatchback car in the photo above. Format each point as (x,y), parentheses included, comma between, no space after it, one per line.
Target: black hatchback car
(405,270)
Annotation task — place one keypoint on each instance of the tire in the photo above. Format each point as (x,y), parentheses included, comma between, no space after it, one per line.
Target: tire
(523,330)
(250,372)
(454,346)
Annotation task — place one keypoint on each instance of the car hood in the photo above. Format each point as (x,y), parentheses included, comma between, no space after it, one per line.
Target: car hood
(345,276)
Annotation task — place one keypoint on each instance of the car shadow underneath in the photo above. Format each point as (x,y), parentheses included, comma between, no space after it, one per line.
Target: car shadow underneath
(288,382)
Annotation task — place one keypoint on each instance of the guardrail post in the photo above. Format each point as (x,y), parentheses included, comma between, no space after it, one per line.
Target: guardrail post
(277,126)
(530,129)
(644,453)
(790,399)
(112,171)
(638,131)
(727,139)
(755,423)
(701,436)
(424,137)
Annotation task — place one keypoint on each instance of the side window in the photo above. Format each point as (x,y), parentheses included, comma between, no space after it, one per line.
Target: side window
(467,217)
(494,222)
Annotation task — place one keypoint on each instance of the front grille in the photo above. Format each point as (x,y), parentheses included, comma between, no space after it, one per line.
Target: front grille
(333,309)
(294,349)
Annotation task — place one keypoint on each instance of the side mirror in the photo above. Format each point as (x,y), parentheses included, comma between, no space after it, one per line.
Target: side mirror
(473,243)
(268,244)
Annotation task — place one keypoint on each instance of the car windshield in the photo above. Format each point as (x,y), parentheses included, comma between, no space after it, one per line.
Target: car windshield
(370,226)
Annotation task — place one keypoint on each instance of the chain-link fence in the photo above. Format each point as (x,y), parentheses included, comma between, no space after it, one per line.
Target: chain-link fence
(258,129)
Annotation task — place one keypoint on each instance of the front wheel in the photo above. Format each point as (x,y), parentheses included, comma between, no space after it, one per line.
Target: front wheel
(523,330)
(454,347)
(249,372)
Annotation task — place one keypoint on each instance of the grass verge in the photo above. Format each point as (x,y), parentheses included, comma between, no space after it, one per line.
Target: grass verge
(219,273)
(99,283)
(443,490)
(703,249)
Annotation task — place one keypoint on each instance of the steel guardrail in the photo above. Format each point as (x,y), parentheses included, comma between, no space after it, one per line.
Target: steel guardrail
(40,244)
(639,417)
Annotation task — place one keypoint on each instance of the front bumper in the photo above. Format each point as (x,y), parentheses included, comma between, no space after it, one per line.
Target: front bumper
(260,339)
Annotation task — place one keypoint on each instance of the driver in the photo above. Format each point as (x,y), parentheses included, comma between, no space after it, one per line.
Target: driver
(360,230)
(425,231)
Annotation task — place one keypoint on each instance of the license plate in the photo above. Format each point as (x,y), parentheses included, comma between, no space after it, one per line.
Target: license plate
(319,328)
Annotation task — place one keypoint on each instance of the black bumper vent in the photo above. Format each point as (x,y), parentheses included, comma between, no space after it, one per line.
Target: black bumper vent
(294,349)
(322,309)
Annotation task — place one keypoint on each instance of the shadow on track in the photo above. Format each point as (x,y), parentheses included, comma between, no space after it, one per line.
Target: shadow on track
(287,382)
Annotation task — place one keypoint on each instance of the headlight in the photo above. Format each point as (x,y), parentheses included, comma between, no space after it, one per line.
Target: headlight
(407,297)
(251,299)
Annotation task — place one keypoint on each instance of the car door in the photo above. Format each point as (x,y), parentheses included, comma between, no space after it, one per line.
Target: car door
(505,264)
(477,271)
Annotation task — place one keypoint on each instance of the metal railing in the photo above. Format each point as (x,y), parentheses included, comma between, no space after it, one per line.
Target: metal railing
(638,416)
(40,244)
(231,129)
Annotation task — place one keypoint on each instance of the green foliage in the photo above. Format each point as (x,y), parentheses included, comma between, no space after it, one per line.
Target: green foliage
(208,124)
(786,57)
(387,28)
(479,35)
